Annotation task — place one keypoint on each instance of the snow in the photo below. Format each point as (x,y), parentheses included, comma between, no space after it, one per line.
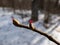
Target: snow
(12,35)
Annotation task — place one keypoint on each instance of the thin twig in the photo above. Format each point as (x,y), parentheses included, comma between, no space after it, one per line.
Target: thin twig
(40,32)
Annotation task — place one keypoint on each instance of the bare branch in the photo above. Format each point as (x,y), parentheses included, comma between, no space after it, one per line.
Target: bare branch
(35,30)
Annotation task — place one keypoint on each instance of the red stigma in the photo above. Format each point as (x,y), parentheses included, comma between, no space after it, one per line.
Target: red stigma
(30,21)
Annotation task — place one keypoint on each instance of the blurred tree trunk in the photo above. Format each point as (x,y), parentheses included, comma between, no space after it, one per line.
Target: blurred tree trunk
(3,5)
(57,3)
(46,10)
(13,5)
(34,15)
(49,6)
(35,7)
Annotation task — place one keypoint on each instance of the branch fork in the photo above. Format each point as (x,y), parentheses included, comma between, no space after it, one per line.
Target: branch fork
(32,28)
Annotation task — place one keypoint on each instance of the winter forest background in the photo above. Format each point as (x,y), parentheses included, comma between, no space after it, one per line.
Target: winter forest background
(44,13)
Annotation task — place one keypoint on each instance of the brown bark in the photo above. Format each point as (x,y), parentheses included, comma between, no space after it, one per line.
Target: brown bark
(16,23)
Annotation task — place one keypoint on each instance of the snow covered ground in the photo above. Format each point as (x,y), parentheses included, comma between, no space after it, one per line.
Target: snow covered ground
(11,35)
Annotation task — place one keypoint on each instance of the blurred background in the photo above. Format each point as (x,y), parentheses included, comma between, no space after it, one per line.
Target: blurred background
(44,13)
